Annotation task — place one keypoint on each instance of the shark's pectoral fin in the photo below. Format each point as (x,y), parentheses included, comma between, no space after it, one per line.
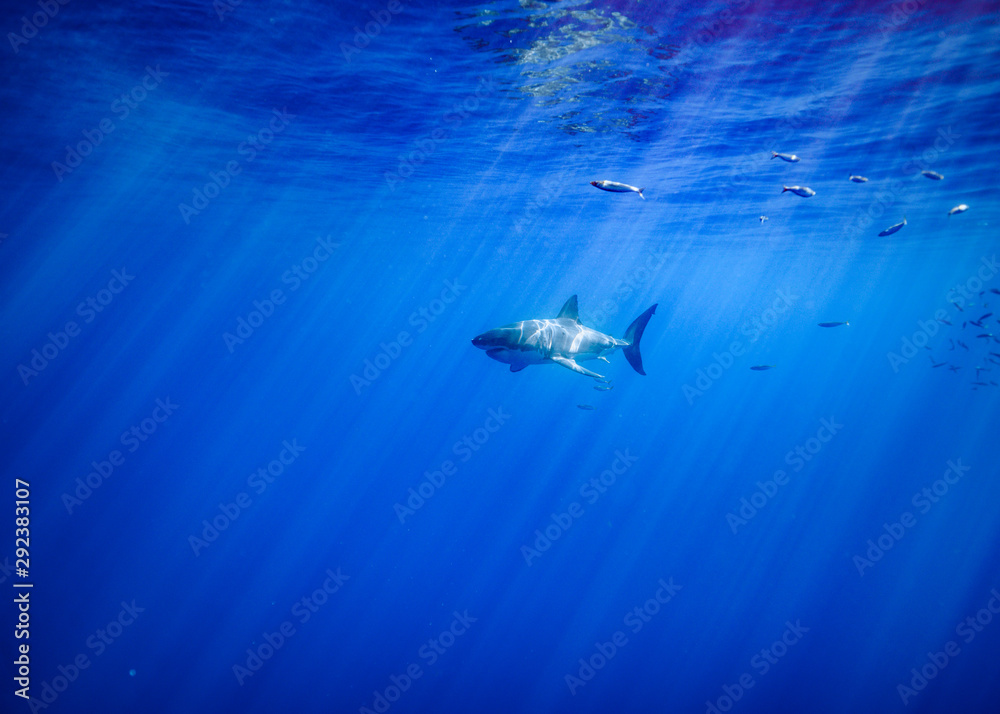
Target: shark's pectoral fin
(518,366)
(570,364)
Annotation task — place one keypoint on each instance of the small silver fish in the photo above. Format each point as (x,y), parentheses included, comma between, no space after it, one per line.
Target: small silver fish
(790,158)
(585,407)
(616,187)
(833,324)
(604,387)
(892,229)
(858,179)
(799,191)
(763,218)
(960,208)
(933,175)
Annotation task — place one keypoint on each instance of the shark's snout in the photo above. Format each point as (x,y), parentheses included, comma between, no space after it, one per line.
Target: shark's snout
(491,338)
(480,341)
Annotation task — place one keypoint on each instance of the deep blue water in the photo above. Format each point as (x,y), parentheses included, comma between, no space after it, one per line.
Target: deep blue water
(259,236)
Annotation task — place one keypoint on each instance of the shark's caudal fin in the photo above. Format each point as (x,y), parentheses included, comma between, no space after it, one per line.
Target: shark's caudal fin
(632,335)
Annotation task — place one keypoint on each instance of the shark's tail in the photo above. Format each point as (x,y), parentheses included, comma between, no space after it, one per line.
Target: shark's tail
(632,335)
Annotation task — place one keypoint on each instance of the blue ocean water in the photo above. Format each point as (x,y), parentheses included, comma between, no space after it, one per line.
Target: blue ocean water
(244,248)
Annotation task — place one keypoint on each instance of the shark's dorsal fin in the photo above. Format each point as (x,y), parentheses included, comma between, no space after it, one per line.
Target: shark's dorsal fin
(570,310)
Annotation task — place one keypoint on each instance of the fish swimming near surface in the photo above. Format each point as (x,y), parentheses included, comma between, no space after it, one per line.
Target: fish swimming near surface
(561,340)
(834,324)
(790,158)
(858,179)
(892,229)
(763,218)
(616,187)
(960,208)
(587,407)
(803,191)
(763,367)
(604,387)
(933,175)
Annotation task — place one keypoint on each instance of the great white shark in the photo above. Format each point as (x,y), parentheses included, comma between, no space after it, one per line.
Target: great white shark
(561,340)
